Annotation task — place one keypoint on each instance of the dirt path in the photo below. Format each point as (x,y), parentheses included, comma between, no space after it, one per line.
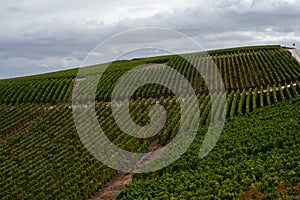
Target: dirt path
(277,88)
(118,183)
(271,89)
(154,66)
(295,54)
(113,188)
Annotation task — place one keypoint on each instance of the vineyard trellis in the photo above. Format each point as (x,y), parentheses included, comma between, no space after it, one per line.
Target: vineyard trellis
(47,160)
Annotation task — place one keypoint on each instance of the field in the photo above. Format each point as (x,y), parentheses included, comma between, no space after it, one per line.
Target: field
(257,153)
(42,156)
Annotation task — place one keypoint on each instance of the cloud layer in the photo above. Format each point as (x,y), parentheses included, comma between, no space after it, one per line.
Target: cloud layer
(51,35)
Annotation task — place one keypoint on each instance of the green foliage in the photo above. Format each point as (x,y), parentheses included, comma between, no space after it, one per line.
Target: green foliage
(14,118)
(242,49)
(44,158)
(36,91)
(242,103)
(241,68)
(264,155)
(47,160)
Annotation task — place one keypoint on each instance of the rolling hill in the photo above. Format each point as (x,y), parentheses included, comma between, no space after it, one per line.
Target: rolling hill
(42,156)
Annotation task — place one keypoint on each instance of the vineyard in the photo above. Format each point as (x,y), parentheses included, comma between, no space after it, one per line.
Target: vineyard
(258,151)
(42,156)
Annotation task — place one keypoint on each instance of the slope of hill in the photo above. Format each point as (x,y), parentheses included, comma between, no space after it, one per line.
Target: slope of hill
(240,68)
(257,154)
(42,156)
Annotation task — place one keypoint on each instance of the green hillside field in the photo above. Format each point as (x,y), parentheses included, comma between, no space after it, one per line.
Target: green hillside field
(257,155)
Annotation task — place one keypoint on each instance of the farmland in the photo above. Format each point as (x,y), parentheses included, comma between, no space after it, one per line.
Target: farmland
(259,150)
(42,156)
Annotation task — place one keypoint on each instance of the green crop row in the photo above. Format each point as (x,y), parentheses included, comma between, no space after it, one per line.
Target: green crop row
(256,156)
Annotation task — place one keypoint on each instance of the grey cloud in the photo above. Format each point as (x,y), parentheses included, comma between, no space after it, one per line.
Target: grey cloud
(44,35)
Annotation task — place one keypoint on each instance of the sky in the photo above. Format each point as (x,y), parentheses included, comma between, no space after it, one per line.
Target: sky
(50,35)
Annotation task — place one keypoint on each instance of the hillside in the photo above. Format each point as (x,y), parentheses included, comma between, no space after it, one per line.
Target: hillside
(257,154)
(42,156)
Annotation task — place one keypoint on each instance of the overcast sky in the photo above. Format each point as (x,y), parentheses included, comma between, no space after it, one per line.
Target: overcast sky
(40,36)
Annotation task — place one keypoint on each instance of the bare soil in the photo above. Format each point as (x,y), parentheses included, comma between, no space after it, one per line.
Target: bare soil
(118,183)
(113,188)
(271,89)
(295,54)
(154,66)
